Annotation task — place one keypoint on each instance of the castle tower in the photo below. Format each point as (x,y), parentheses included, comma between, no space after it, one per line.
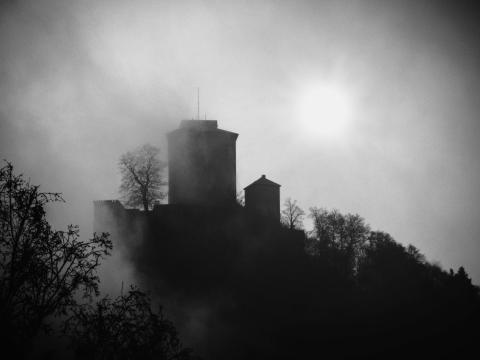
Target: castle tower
(262,197)
(201,164)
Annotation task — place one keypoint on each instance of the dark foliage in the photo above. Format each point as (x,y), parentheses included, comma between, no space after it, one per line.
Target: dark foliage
(42,271)
(124,328)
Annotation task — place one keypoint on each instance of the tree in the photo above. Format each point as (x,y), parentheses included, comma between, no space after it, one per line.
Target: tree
(386,263)
(415,254)
(292,214)
(341,238)
(462,276)
(142,177)
(124,328)
(43,272)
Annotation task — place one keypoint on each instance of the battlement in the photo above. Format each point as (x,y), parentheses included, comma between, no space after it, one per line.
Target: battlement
(199,124)
(108,203)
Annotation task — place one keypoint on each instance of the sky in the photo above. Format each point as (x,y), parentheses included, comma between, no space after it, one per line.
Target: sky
(369,107)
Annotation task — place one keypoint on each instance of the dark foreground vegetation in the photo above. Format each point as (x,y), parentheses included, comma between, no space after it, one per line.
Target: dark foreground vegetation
(49,290)
(266,291)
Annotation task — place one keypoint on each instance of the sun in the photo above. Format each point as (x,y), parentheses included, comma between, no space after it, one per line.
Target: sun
(325,111)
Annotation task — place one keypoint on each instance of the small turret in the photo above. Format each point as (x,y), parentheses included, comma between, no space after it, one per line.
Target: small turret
(262,197)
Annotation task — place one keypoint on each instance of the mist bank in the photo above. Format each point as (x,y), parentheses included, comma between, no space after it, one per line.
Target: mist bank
(81,83)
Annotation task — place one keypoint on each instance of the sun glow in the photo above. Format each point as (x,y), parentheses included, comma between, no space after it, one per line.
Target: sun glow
(325,111)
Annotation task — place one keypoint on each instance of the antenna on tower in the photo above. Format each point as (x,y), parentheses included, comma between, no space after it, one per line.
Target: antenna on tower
(198,103)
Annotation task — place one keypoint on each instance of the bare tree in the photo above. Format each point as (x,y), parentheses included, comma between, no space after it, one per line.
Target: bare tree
(292,214)
(142,177)
(43,272)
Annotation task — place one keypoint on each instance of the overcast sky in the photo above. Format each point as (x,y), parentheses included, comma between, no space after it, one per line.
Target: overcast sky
(369,107)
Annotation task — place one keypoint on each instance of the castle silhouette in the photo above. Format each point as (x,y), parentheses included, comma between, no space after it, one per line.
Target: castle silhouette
(203,246)
(202,175)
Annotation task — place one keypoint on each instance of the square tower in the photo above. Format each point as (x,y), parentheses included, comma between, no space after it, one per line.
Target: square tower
(201,164)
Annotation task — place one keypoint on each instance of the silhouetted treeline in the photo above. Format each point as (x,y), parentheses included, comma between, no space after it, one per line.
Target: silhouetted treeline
(243,287)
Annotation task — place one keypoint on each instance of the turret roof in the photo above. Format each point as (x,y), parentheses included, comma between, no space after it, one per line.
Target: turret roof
(263,181)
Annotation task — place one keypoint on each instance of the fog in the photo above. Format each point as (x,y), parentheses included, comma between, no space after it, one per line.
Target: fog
(83,82)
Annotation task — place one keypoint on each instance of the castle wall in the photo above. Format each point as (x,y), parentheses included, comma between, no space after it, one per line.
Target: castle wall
(125,226)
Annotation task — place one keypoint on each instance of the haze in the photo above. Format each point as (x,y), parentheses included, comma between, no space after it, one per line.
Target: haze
(83,82)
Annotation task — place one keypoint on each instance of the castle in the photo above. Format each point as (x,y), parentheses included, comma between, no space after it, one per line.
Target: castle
(202,174)
(205,250)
